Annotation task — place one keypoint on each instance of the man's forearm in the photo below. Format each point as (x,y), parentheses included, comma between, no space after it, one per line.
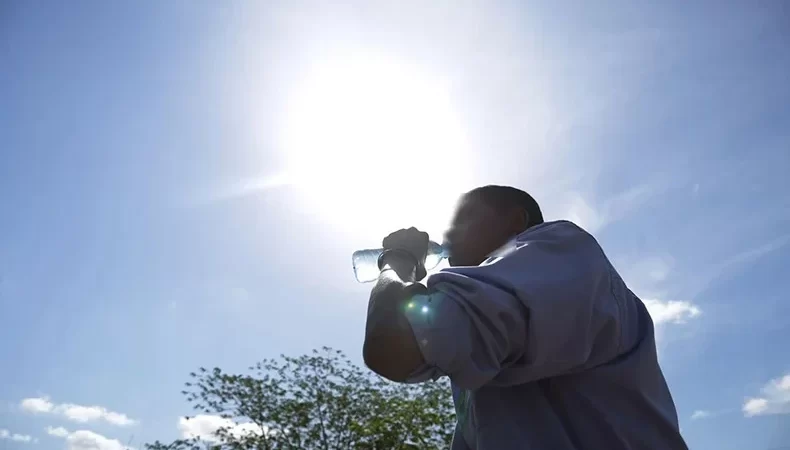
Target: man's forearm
(390,348)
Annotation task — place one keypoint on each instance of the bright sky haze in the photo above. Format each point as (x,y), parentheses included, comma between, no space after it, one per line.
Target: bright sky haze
(182,184)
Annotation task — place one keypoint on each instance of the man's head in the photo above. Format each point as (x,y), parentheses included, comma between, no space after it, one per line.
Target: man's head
(485,219)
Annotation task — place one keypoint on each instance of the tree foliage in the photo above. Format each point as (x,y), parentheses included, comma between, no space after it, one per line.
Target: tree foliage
(316,401)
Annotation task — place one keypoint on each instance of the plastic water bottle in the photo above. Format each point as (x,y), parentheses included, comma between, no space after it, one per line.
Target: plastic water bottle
(366,262)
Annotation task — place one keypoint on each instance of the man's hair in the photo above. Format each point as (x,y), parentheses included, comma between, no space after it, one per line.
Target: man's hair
(504,198)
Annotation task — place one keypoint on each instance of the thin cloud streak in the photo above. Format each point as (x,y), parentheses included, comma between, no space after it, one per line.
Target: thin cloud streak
(243,188)
(703,414)
(700,414)
(736,262)
(594,219)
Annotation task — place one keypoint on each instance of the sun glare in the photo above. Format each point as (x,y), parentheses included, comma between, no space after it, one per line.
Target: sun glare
(374,145)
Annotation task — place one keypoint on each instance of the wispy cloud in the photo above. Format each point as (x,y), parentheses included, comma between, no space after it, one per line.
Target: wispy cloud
(594,218)
(672,311)
(774,399)
(205,427)
(57,432)
(700,414)
(73,412)
(86,440)
(16,437)
(654,269)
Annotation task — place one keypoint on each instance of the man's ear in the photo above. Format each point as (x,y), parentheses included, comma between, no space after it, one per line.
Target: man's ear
(519,219)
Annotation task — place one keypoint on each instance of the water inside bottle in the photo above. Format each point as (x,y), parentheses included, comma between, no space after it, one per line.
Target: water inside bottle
(366,265)
(365,262)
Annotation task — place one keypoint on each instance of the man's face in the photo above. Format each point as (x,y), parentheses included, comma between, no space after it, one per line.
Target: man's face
(476,231)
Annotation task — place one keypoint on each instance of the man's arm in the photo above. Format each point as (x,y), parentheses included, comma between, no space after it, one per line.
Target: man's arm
(552,307)
(390,348)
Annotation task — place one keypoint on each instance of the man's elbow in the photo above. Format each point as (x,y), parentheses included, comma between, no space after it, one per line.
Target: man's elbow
(392,361)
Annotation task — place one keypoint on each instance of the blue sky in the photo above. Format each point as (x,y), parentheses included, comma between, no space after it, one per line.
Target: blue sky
(167,200)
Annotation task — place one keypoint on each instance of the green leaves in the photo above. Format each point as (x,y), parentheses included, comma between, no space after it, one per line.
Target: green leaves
(318,401)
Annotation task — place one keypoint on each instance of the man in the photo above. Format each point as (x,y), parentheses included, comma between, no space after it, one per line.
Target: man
(545,346)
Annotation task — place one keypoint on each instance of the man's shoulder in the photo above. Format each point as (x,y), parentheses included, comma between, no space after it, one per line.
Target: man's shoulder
(558,238)
(555,229)
(539,253)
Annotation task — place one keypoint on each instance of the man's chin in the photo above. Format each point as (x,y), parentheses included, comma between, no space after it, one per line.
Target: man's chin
(464,262)
(456,262)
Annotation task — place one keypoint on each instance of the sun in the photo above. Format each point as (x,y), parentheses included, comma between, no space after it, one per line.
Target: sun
(374,144)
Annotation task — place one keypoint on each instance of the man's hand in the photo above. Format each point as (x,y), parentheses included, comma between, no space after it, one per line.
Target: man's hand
(412,241)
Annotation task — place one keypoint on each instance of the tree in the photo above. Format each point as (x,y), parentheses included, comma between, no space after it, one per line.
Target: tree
(317,401)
